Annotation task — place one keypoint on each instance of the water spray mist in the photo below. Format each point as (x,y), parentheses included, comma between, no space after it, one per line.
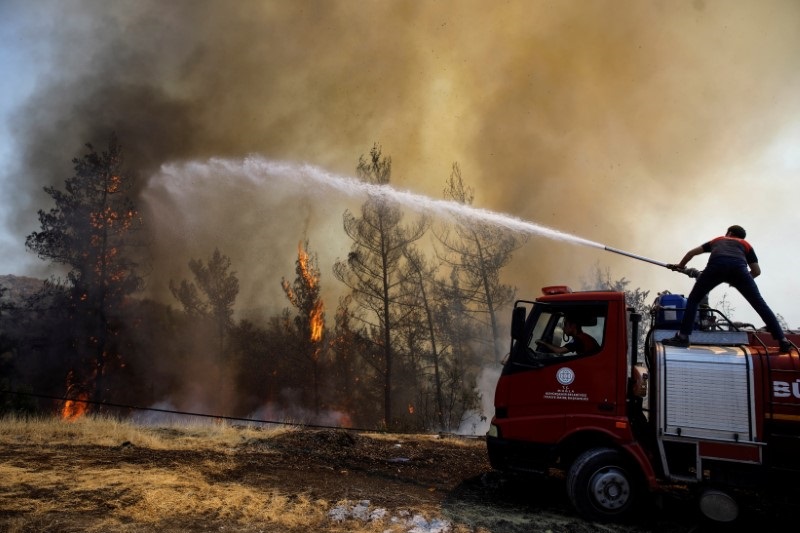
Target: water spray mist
(315,181)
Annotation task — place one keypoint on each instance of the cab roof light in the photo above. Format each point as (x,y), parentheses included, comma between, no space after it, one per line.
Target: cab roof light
(556,289)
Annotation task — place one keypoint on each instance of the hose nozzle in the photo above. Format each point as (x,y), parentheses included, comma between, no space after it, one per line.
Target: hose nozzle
(691,272)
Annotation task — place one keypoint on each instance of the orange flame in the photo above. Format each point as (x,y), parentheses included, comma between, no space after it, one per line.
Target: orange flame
(76,406)
(308,275)
(317,323)
(345,420)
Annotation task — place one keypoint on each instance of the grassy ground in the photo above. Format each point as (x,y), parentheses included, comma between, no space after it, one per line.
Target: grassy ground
(98,474)
(102,475)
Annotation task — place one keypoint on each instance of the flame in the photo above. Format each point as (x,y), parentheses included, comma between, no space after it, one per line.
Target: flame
(317,323)
(305,270)
(106,222)
(77,405)
(410,409)
(345,420)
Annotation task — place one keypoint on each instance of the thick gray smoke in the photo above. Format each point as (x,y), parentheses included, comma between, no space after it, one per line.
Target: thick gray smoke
(636,124)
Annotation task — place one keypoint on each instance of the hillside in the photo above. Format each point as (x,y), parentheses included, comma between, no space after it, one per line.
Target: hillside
(19,287)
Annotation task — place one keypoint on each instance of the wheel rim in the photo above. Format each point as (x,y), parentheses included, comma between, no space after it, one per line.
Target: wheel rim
(610,489)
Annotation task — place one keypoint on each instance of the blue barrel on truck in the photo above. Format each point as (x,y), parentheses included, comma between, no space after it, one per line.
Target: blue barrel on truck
(669,309)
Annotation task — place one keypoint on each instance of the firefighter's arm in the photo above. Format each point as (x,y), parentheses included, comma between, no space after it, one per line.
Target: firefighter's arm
(689,255)
(552,347)
(755,270)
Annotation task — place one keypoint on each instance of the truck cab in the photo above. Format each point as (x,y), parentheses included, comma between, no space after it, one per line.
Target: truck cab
(551,408)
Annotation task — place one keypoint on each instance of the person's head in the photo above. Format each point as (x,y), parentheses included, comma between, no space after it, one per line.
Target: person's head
(571,326)
(737,231)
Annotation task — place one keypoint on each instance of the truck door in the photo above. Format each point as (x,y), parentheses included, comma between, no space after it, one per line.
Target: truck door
(545,391)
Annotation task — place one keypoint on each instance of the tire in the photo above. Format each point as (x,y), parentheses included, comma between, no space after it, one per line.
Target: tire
(600,485)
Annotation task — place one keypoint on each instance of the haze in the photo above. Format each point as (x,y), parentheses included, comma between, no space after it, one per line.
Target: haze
(645,126)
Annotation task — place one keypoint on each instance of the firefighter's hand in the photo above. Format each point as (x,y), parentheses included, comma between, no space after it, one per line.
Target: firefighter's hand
(544,346)
(691,272)
(676,268)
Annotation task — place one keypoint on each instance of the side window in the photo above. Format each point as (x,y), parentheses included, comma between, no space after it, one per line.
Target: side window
(597,331)
(567,331)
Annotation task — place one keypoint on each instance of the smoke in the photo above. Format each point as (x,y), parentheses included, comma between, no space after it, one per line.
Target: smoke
(477,422)
(595,118)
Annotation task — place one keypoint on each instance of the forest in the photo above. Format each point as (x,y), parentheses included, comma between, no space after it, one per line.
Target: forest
(401,351)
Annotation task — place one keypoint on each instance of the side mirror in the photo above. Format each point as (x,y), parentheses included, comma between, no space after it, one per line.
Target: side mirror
(518,324)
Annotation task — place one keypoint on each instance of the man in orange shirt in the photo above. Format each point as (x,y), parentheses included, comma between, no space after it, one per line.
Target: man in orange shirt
(732,261)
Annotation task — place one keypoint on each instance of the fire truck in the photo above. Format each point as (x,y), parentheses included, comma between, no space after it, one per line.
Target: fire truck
(720,418)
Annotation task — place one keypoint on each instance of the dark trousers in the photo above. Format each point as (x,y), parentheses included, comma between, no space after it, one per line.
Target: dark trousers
(738,276)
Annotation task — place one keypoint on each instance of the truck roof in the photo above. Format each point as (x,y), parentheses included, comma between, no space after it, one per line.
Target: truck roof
(565,294)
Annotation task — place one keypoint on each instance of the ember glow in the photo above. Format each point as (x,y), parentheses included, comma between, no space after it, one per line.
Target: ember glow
(76,406)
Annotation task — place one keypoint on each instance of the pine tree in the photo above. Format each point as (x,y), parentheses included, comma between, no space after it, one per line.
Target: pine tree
(373,267)
(92,232)
(477,252)
(304,295)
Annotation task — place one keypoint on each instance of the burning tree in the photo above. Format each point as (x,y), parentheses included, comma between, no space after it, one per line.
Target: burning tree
(304,294)
(90,231)
(372,269)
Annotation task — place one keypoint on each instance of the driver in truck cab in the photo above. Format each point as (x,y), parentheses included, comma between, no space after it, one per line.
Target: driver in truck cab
(581,342)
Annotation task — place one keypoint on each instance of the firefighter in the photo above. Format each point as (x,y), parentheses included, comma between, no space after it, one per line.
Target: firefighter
(581,343)
(732,261)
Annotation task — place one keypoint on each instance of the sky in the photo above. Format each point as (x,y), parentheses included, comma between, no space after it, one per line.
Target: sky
(646,126)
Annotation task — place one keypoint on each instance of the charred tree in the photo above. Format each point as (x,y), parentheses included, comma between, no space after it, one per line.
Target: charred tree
(92,231)
(477,252)
(210,298)
(372,268)
(219,289)
(349,349)
(421,298)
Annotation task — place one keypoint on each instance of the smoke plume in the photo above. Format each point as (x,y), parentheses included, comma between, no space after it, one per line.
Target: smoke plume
(610,120)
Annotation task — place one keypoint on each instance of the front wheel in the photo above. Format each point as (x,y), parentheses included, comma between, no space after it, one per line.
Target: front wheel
(600,485)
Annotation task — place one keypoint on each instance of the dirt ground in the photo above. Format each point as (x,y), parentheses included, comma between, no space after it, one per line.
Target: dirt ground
(448,478)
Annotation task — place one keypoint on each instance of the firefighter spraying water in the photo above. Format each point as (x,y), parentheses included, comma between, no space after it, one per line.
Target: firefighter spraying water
(720,416)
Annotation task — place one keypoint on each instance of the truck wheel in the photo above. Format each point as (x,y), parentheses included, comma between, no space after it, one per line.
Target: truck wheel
(600,485)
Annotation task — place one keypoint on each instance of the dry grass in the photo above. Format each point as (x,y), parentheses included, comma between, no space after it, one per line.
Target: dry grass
(144,497)
(132,497)
(105,431)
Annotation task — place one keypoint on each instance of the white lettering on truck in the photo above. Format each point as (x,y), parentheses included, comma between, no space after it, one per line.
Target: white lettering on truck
(782,389)
(565,376)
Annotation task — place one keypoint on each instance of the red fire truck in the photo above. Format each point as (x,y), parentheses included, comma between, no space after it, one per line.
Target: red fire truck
(719,417)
